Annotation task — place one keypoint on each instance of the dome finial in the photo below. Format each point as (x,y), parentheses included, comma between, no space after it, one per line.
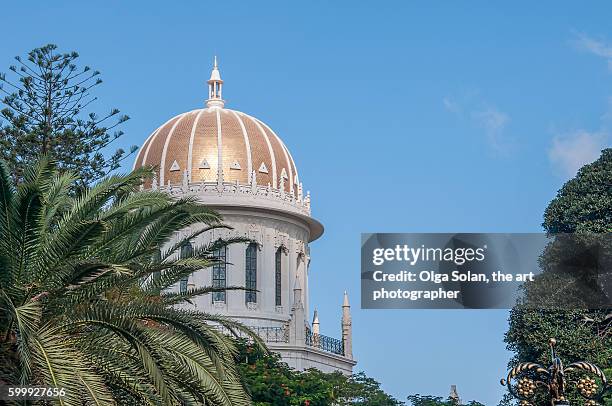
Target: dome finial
(215,87)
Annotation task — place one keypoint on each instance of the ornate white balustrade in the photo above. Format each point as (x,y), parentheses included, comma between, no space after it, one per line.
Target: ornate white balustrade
(255,195)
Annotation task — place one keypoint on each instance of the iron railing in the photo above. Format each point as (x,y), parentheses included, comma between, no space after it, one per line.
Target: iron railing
(325,343)
(272,334)
(267,334)
(281,335)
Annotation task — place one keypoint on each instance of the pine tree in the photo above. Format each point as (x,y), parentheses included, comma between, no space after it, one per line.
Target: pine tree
(43,114)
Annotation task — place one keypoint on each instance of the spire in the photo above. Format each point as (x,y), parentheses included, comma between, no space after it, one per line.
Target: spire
(215,87)
(316,338)
(454,395)
(347,328)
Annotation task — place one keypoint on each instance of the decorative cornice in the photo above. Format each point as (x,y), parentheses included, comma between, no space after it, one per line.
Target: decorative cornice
(263,196)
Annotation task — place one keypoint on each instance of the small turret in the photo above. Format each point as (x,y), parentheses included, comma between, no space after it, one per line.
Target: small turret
(215,88)
(316,338)
(315,323)
(347,327)
(454,395)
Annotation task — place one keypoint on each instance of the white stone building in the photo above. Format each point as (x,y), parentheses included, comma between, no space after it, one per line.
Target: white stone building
(236,164)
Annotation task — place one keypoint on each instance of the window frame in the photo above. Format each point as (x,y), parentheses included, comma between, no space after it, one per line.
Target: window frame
(278,277)
(250,273)
(219,274)
(186,252)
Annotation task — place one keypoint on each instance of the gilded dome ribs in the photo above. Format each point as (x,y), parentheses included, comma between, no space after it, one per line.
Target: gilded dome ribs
(190,151)
(219,148)
(270,150)
(219,145)
(162,164)
(283,165)
(246,145)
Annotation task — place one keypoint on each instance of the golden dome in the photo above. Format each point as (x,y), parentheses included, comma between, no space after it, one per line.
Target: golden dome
(219,145)
(215,144)
(227,159)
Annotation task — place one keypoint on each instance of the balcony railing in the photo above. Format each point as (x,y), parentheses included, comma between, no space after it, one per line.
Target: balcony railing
(325,343)
(281,335)
(267,334)
(273,334)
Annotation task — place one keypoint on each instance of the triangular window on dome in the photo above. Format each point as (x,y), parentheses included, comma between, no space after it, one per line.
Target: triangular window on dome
(263,168)
(204,164)
(235,165)
(284,174)
(175,166)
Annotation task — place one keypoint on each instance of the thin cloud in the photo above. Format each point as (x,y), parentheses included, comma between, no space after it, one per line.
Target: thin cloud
(570,152)
(490,119)
(451,105)
(494,123)
(595,47)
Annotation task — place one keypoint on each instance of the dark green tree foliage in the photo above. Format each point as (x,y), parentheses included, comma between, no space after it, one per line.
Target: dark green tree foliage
(44,100)
(272,382)
(574,268)
(583,205)
(418,400)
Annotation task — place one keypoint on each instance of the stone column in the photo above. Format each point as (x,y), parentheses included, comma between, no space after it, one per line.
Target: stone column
(347,328)
(297,333)
(265,274)
(305,273)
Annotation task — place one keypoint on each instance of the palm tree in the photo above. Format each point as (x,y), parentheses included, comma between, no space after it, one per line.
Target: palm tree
(84,300)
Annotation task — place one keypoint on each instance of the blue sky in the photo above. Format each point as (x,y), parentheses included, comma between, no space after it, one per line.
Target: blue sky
(401,116)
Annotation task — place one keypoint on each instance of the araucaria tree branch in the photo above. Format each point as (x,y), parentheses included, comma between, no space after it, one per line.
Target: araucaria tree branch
(44,98)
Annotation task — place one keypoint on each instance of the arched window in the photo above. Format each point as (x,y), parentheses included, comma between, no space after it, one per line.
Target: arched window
(183,285)
(251,273)
(186,252)
(278,276)
(219,274)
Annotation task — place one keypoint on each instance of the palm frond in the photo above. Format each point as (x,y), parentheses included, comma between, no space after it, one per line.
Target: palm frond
(79,308)
(62,366)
